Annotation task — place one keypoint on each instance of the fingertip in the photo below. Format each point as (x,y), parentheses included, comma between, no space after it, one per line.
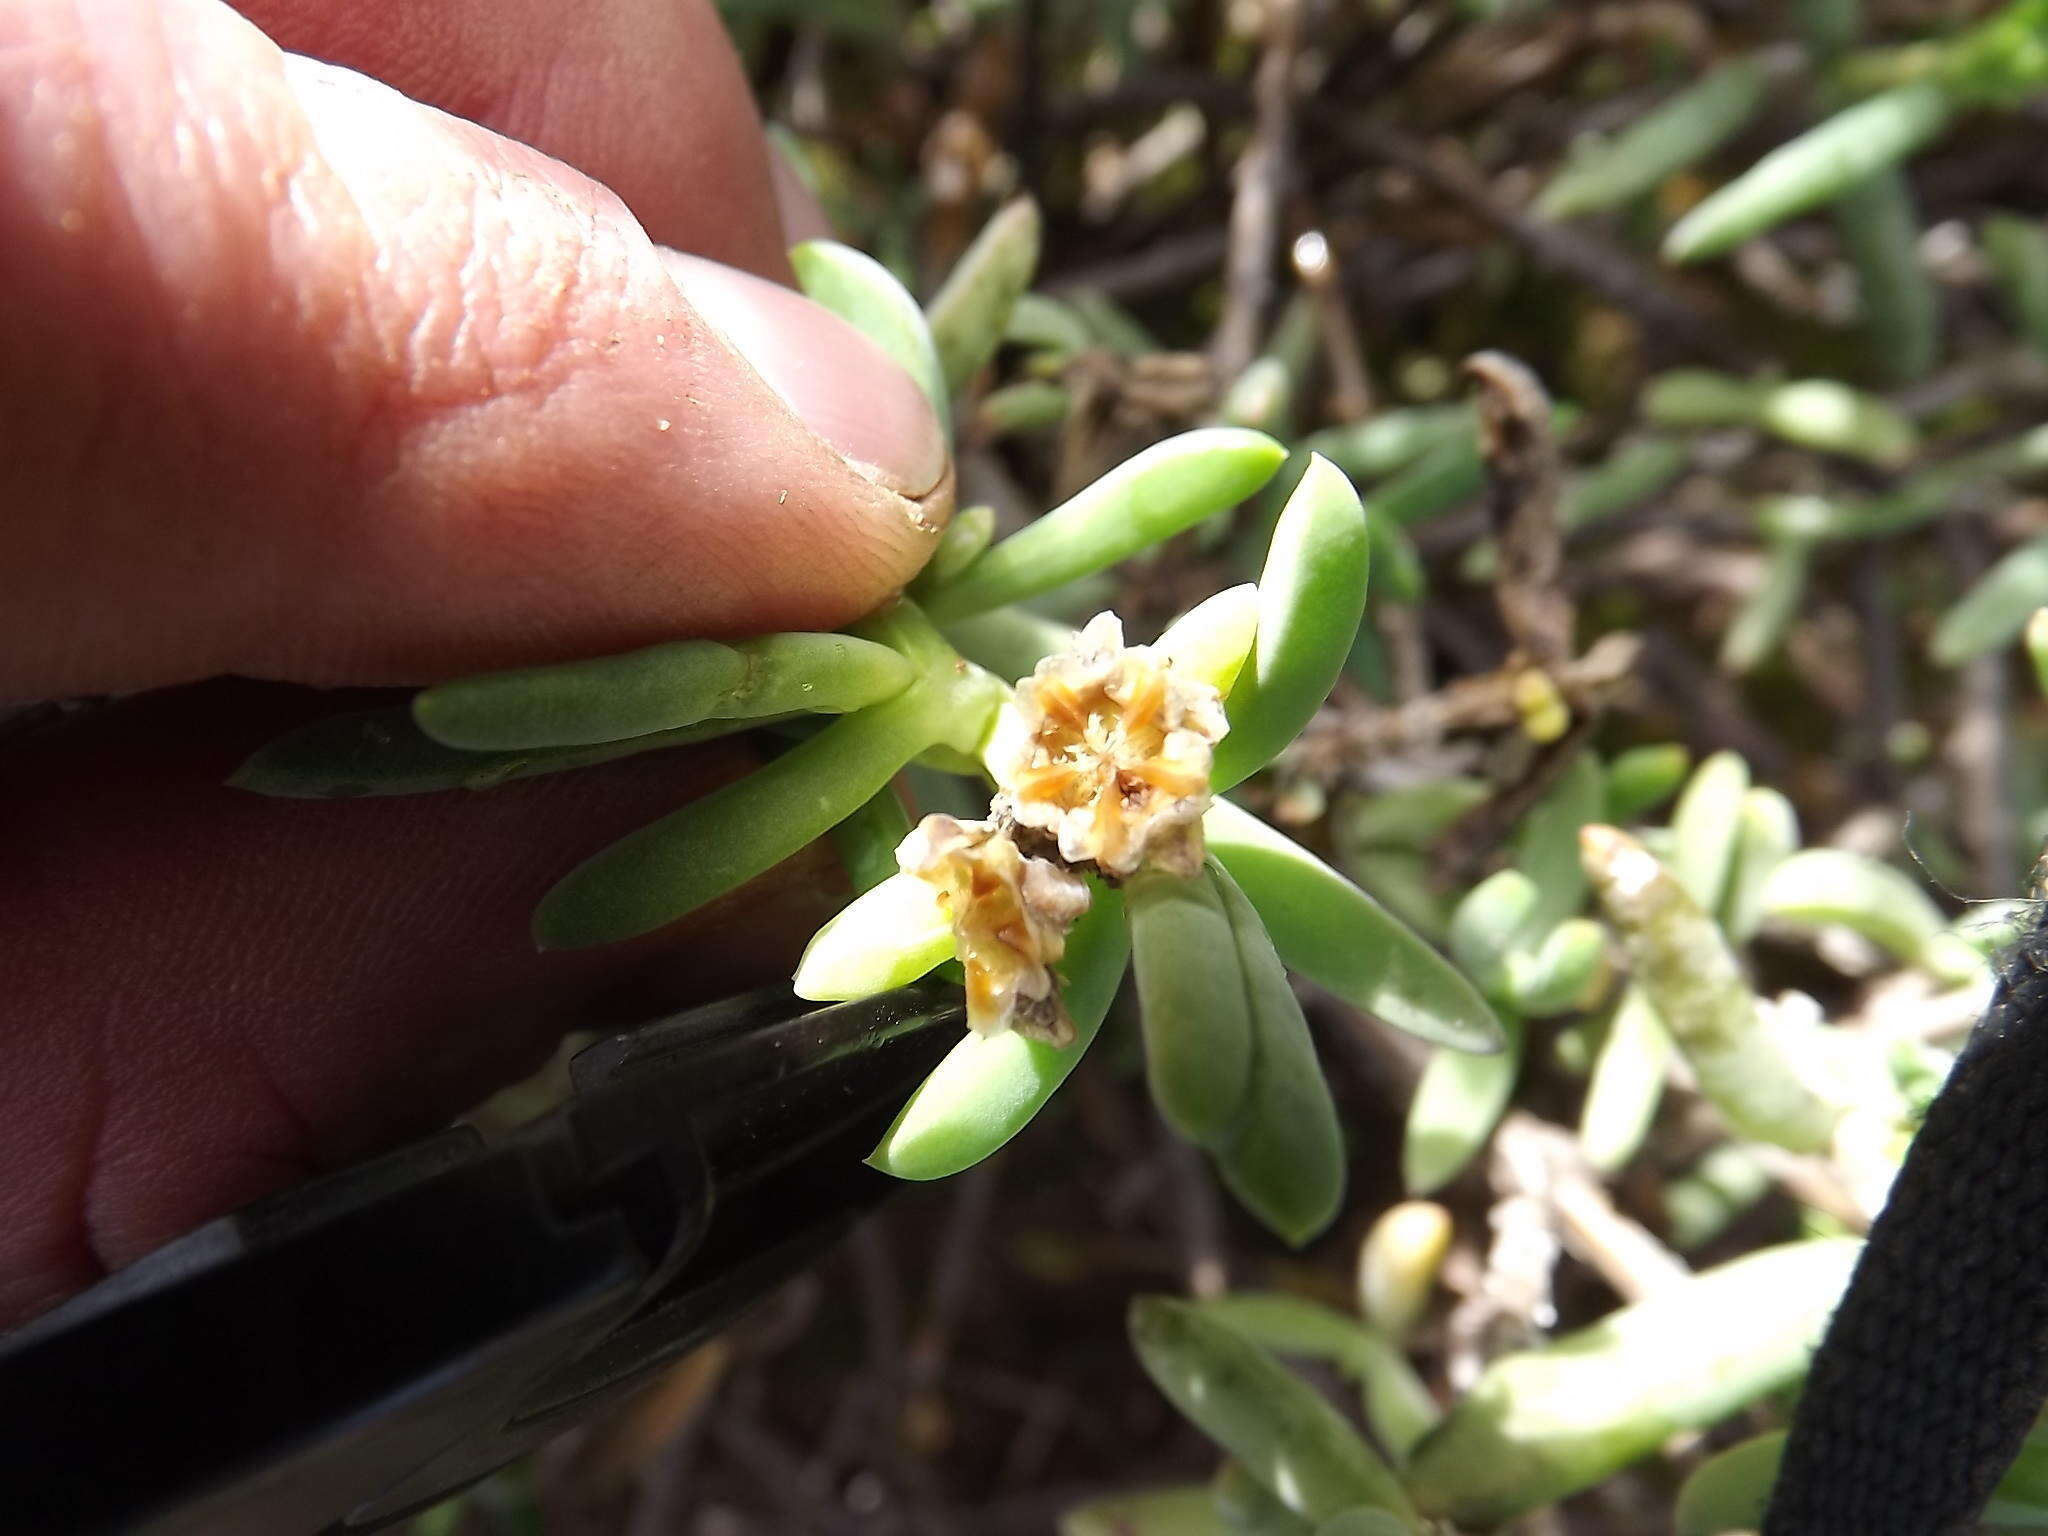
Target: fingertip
(648,97)
(842,386)
(405,400)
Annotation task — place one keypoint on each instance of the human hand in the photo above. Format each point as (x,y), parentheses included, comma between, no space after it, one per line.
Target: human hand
(302,380)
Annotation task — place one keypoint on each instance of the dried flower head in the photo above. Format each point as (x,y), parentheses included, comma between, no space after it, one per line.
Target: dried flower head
(1107,751)
(1010,918)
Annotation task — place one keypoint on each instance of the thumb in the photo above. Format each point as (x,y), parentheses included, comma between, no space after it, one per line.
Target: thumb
(303,379)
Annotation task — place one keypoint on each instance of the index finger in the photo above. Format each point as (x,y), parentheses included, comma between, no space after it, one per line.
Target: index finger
(646,96)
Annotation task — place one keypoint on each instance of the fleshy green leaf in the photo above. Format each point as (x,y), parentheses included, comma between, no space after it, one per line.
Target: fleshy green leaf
(1311,598)
(1262,397)
(1701,397)
(1833,418)
(1162,1512)
(1547,845)
(1193,999)
(1284,1158)
(1412,817)
(1643,778)
(1682,962)
(1766,835)
(1265,394)
(1397,1404)
(1994,612)
(868,839)
(1402,575)
(1162,491)
(1627,1084)
(1249,1508)
(1045,324)
(1565,972)
(1831,885)
(966,536)
(1704,827)
(989,1087)
(1700,1204)
(383,752)
(1110,324)
(1815,168)
(1392,440)
(1729,1491)
(1460,1098)
(717,844)
(1029,405)
(1458,1101)
(1821,414)
(1495,915)
(1636,470)
(1754,634)
(1366,1522)
(1403,881)
(1338,937)
(1917,500)
(863,293)
(1880,224)
(1687,128)
(662,688)
(1445,478)
(886,938)
(1539,1426)
(1212,640)
(970,313)
(1272,1422)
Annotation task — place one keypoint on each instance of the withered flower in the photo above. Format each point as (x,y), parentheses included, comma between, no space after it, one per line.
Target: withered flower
(1010,918)
(1107,751)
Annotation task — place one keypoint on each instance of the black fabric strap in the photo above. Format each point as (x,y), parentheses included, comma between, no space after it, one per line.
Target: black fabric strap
(1936,1361)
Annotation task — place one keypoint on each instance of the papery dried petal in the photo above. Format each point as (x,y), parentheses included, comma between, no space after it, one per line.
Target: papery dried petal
(1107,752)
(1010,917)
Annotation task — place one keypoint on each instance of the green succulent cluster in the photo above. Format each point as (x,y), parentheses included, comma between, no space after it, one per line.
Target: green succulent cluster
(1535,1427)
(1538,1425)
(1619,938)
(1678,904)
(1231,1062)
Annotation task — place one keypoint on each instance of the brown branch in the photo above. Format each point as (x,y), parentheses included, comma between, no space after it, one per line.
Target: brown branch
(1171,262)
(1335,741)
(1625,1254)
(1525,483)
(1198,1218)
(1607,271)
(1261,177)
(1350,392)
(953,1270)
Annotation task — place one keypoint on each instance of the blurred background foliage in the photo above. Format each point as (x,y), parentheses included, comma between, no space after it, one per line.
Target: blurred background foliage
(1784,272)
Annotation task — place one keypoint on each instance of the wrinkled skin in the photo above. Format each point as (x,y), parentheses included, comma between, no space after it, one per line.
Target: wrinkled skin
(305,381)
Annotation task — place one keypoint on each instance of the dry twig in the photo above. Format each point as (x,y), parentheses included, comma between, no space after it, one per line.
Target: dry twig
(1525,482)
(1601,267)
(1262,176)
(1335,742)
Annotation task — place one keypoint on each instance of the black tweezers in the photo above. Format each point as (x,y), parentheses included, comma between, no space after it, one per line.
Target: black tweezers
(338,1357)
